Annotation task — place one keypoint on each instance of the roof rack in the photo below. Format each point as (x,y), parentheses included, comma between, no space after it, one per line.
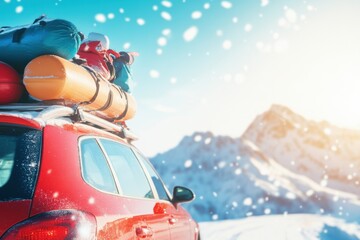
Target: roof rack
(45,112)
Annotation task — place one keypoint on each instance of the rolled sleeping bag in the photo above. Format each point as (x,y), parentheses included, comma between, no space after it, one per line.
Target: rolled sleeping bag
(19,45)
(50,77)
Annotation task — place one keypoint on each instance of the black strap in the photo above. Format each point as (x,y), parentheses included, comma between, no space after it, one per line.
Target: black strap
(18,35)
(97,83)
(39,18)
(123,114)
(108,102)
(2,29)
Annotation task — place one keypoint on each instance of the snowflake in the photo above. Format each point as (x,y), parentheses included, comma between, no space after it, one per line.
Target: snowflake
(196,15)
(190,33)
(19,9)
(226,4)
(101,18)
(154,74)
(166,16)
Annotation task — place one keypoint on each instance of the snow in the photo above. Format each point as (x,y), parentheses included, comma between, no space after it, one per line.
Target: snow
(248,27)
(126,45)
(167,4)
(264,3)
(226,4)
(100,17)
(281,227)
(166,16)
(154,74)
(19,9)
(190,34)
(162,41)
(196,15)
(206,6)
(140,21)
(227,44)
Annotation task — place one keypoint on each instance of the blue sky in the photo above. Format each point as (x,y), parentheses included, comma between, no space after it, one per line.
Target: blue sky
(209,65)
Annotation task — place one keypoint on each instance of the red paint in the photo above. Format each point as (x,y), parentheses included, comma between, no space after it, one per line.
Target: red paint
(60,186)
(11,87)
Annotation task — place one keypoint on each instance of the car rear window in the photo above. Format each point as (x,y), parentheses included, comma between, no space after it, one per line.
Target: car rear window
(19,161)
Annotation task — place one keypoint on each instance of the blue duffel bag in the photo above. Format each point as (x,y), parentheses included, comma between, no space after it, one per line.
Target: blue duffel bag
(19,45)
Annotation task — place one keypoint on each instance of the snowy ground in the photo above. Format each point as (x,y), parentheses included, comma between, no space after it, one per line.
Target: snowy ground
(281,227)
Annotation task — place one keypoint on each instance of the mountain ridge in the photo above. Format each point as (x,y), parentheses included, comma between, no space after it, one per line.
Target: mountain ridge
(249,175)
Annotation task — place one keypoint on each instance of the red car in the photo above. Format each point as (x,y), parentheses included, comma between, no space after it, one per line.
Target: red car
(67,174)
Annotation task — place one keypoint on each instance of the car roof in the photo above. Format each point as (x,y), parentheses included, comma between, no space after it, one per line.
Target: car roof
(40,115)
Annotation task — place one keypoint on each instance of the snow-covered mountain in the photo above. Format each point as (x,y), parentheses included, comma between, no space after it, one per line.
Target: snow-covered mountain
(235,178)
(327,154)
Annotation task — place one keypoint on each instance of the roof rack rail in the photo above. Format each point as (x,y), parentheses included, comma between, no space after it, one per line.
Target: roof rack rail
(48,112)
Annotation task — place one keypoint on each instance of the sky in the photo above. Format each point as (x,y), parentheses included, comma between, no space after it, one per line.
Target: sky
(212,65)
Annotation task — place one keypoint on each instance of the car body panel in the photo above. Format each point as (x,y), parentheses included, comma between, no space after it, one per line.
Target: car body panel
(15,211)
(60,185)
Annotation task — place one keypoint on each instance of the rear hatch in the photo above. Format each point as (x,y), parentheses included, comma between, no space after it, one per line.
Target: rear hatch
(20,148)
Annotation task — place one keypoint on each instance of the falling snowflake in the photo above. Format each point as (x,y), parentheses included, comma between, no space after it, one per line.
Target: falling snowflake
(155,8)
(173,80)
(238,171)
(207,141)
(126,45)
(166,32)
(101,18)
(215,217)
(197,138)
(235,19)
(221,164)
(7,1)
(166,16)
(121,10)
(196,15)
(140,21)
(154,74)
(248,27)
(226,4)
(162,41)
(227,44)
(247,201)
(206,6)
(264,3)
(167,4)
(291,15)
(190,33)
(159,51)
(111,16)
(91,200)
(188,163)
(19,9)
(267,211)
(219,33)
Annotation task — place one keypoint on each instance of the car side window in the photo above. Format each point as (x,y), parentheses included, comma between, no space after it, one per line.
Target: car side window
(130,174)
(95,168)
(159,185)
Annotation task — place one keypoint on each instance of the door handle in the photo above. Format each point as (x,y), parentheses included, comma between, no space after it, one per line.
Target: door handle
(143,232)
(172,220)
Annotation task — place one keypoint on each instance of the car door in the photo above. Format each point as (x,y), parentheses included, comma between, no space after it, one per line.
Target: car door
(177,219)
(137,187)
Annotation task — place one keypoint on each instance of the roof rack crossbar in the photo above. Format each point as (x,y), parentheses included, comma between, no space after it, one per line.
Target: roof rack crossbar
(46,112)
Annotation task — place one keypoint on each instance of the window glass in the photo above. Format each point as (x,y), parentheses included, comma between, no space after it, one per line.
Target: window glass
(19,161)
(160,188)
(128,170)
(95,168)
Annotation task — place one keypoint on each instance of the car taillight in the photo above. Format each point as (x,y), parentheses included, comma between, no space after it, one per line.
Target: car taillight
(55,225)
